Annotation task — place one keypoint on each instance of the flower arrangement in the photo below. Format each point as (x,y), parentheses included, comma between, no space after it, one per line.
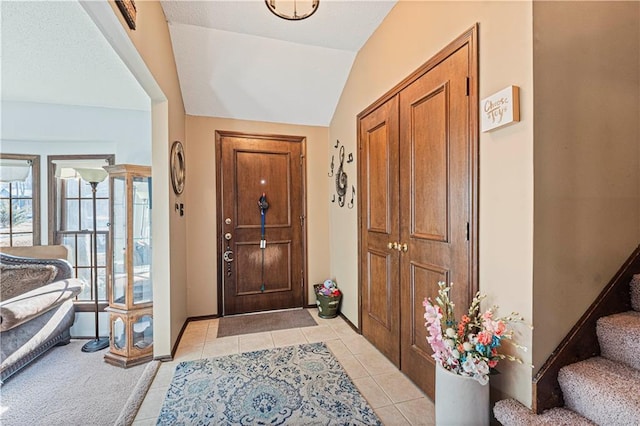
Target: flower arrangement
(468,347)
(329,288)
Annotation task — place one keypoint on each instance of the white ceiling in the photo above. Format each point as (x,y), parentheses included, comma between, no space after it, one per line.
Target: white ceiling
(52,52)
(236,59)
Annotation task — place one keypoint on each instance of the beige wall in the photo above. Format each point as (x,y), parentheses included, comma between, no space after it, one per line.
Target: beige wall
(587,157)
(411,34)
(201,204)
(153,43)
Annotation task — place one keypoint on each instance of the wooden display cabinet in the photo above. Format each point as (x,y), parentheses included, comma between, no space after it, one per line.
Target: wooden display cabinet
(129,267)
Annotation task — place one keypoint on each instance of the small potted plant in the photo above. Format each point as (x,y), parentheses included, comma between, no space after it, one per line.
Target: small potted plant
(466,353)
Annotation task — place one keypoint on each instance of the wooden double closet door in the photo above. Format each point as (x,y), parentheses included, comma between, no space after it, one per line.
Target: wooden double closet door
(417,209)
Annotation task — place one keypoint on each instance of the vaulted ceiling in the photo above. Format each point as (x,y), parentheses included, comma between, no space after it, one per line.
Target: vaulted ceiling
(236,59)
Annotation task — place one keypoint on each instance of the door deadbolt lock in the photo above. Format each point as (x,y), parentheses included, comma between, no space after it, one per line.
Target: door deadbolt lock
(228,256)
(227,236)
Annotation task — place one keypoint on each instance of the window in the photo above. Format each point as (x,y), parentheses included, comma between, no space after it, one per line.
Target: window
(71,218)
(19,200)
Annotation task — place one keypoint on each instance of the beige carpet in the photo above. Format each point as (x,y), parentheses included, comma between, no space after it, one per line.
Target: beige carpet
(269,321)
(69,387)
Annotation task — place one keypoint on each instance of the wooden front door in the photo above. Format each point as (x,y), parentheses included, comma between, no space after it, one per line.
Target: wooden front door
(261,265)
(417,171)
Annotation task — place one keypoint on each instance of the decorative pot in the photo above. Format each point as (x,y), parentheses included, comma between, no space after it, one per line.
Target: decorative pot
(460,400)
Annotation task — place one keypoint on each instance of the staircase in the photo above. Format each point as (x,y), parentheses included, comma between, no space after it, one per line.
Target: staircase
(603,390)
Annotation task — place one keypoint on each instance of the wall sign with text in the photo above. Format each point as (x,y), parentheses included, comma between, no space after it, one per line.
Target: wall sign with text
(500,109)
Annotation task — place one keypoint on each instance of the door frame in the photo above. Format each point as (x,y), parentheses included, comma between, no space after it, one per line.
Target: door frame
(219,134)
(470,38)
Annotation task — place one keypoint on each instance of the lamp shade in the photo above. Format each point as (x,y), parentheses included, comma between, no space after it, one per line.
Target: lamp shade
(92,175)
(68,168)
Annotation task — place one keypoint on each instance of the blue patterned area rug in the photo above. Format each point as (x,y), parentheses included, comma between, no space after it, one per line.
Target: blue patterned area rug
(294,385)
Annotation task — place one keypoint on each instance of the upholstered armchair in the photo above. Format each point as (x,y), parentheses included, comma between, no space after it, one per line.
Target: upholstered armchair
(36,306)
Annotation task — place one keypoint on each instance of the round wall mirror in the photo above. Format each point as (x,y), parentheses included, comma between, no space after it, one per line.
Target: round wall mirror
(177,167)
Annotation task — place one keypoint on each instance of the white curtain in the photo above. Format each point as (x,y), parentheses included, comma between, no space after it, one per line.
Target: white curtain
(14,170)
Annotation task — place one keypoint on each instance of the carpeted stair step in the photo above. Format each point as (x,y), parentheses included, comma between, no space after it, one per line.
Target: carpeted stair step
(619,337)
(604,391)
(510,412)
(635,292)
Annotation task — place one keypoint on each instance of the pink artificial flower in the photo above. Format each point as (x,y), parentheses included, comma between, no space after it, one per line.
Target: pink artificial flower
(485,337)
(493,363)
(432,313)
(496,327)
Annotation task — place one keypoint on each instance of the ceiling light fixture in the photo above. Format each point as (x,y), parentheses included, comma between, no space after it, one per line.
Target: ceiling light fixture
(289,9)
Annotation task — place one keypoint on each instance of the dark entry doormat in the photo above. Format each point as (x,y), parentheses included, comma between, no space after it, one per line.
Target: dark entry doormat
(269,321)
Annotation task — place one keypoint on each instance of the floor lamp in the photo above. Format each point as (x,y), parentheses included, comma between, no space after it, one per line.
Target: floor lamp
(94,177)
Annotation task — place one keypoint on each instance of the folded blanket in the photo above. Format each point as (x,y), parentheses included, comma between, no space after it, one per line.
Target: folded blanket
(22,308)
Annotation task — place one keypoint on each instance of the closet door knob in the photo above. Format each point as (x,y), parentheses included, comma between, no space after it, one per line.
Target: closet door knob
(403,247)
(392,245)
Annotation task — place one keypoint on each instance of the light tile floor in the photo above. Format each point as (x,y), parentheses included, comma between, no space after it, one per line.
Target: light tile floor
(395,399)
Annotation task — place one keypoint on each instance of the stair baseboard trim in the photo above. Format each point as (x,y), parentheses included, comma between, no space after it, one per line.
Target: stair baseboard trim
(582,342)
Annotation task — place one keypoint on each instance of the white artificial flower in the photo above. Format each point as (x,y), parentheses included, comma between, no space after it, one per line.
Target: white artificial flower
(455,354)
(482,368)
(467,346)
(450,343)
(469,366)
(450,332)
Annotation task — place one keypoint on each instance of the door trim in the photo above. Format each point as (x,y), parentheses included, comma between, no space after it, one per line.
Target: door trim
(470,38)
(219,134)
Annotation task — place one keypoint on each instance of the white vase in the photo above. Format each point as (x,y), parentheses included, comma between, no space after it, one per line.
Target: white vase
(460,400)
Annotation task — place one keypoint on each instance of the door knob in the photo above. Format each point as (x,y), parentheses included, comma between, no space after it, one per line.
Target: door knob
(403,247)
(392,245)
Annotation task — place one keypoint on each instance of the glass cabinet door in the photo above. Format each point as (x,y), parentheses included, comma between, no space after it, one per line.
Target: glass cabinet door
(142,289)
(119,238)
(143,332)
(131,285)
